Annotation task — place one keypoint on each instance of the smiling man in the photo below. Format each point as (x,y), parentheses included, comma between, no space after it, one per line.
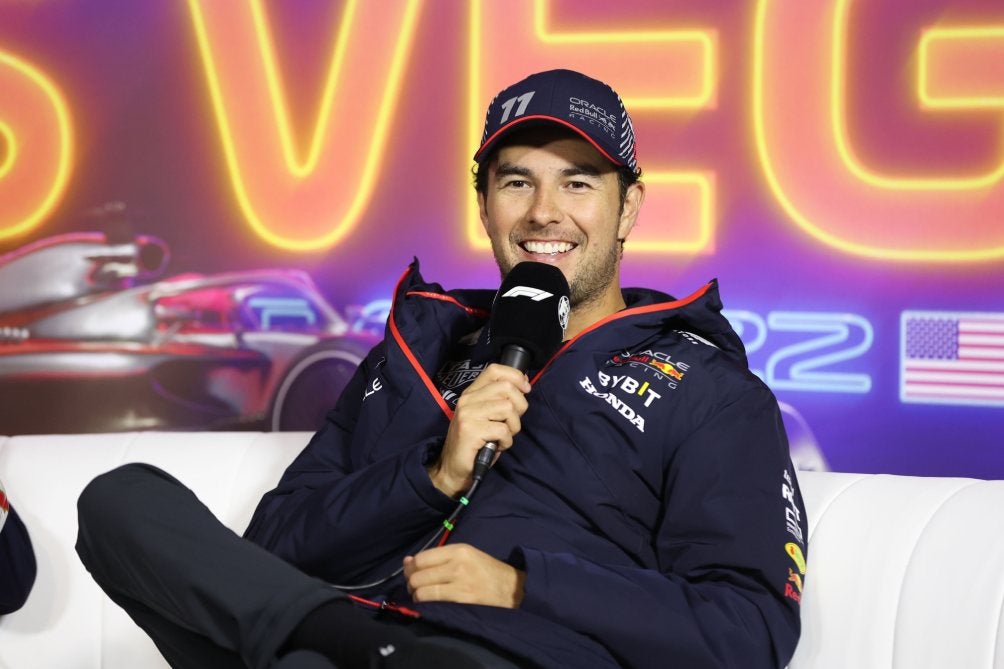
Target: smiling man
(552,197)
(557,182)
(643,512)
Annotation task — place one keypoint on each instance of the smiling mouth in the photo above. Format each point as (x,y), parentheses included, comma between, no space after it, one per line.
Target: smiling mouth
(547,248)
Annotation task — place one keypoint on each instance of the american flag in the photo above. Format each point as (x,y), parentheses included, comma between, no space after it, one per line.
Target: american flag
(952,357)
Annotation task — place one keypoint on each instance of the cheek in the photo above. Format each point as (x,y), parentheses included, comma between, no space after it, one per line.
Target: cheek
(501,220)
(496,233)
(605,224)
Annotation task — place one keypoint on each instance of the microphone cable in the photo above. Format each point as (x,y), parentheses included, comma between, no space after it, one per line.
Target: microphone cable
(440,536)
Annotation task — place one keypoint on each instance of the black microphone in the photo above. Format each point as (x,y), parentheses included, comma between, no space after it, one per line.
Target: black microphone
(528,321)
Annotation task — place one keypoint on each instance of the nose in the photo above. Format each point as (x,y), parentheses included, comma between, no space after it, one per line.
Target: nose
(545,208)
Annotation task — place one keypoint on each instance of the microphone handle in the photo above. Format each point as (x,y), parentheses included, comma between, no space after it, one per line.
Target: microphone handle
(513,355)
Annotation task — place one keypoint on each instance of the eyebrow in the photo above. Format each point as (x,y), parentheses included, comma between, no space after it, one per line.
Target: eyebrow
(578,169)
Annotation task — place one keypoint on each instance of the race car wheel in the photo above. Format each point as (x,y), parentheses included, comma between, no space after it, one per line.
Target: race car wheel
(312,385)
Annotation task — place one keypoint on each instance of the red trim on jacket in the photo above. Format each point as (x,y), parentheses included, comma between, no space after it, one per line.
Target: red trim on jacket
(473,311)
(647,309)
(430,386)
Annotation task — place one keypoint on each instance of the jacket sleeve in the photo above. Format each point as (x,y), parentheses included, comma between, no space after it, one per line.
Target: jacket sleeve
(17,561)
(724,593)
(338,514)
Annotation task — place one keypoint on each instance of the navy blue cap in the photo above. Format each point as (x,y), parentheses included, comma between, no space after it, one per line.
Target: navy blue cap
(583,104)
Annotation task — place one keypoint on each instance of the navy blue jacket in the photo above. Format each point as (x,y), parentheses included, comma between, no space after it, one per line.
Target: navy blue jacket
(17,562)
(649,496)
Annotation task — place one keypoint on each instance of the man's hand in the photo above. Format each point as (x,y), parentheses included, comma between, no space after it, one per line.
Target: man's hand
(488,410)
(463,574)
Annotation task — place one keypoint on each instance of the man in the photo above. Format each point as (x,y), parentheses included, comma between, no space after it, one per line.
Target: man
(643,511)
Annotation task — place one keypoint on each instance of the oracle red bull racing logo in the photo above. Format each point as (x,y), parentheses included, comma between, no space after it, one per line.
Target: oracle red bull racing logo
(660,364)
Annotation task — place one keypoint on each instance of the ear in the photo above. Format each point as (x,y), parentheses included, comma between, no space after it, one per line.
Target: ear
(483,210)
(633,199)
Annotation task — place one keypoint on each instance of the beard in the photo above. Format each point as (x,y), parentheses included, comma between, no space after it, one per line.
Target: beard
(593,275)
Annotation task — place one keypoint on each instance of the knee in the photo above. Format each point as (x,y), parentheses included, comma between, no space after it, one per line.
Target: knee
(113,501)
(110,490)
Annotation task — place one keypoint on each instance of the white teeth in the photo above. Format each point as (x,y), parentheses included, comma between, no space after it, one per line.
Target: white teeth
(549,248)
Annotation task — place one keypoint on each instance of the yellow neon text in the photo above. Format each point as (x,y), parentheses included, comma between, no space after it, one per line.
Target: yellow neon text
(686,81)
(800,131)
(838,116)
(311,202)
(32,113)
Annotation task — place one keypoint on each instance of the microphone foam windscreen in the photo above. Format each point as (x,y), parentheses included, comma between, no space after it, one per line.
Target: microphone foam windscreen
(530,310)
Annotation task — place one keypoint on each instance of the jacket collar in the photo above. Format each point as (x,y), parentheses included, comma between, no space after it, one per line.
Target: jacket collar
(647,311)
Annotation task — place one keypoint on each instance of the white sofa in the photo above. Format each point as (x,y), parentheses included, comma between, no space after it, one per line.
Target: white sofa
(903,572)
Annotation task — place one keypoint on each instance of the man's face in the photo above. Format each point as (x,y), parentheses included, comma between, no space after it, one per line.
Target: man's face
(551,197)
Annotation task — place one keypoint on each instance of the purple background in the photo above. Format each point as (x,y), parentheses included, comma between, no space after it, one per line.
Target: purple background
(145,135)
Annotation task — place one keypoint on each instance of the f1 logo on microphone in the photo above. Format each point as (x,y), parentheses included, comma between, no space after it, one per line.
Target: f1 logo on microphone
(535,294)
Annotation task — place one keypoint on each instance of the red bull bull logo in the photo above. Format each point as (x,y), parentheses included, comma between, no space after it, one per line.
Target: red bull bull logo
(793,577)
(666,368)
(662,366)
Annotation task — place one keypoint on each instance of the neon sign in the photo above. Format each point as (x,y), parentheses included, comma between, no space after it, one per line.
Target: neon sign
(310,196)
(825,340)
(511,39)
(33,113)
(799,122)
(294,201)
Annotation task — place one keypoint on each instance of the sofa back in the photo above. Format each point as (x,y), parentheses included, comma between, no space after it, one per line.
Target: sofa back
(903,571)
(68,623)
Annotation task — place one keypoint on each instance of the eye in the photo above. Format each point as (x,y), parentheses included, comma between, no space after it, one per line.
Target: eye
(515,183)
(578,185)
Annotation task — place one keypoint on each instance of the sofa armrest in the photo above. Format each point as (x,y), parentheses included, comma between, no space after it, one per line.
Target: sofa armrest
(903,572)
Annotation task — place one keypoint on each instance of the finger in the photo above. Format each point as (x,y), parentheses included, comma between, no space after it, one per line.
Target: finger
(504,377)
(502,438)
(499,372)
(514,425)
(496,408)
(440,574)
(481,421)
(518,401)
(475,433)
(437,555)
(489,395)
(435,582)
(409,566)
(432,593)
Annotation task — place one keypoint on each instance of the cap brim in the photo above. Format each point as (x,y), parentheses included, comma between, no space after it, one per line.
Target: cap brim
(516,124)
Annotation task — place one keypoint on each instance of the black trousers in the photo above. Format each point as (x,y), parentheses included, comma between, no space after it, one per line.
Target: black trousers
(206,596)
